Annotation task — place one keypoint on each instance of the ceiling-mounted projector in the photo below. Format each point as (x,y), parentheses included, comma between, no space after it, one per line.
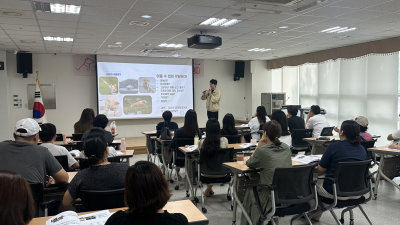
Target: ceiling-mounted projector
(201,41)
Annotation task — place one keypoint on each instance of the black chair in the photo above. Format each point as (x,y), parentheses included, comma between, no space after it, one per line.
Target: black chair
(179,157)
(77,137)
(297,140)
(59,137)
(233,139)
(100,200)
(214,166)
(350,179)
(114,159)
(293,186)
(63,160)
(370,155)
(79,145)
(41,206)
(327,131)
(202,130)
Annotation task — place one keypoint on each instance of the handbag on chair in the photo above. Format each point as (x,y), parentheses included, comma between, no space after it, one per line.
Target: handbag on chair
(165,132)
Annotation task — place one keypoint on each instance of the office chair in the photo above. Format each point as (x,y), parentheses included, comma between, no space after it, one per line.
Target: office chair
(41,206)
(99,200)
(297,140)
(63,160)
(77,137)
(179,157)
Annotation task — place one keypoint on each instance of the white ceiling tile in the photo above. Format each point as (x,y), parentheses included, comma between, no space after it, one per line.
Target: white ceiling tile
(176,26)
(194,10)
(19,27)
(212,3)
(329,11)
(59,29)
(49,23)
(227,13)
(306,19)
(17,38)
(186,19)
(25,14)
(14,4)
(100,19)
(98,11)
(17,21)
(363,14)
(335,22)
(119,4)
(91,36)
(150,6)
(58,34)
(95,26)
(357,4)
(133,29)
(391,6)
(293,33)
(136,15)
(22,32)
(57,16)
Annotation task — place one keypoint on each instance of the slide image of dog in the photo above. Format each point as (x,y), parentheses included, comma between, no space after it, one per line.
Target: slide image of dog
(134,105)
(111,106)
(129,86)
(108,85)
(147,84)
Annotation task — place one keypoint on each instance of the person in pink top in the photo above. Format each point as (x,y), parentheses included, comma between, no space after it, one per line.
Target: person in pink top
(363,123)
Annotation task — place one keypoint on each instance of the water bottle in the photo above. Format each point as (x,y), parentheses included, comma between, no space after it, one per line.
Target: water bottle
(123,145)
(247,116)
(113,127)
(196,139)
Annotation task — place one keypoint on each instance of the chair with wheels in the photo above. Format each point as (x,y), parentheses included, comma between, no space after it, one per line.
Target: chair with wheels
(294,186)
(99,200)
(297,140)
(179,157)
(350,179)
(213,166)
(41,206)
(63,160)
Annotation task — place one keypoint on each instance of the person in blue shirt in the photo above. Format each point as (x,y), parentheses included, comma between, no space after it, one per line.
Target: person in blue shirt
(348,149)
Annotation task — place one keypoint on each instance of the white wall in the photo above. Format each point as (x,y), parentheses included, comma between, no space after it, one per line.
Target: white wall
(4,100)
(261,82)
(74,93)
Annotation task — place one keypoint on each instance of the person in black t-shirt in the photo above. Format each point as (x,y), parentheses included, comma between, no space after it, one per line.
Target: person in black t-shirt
(294,122)
(167,116)
(146,194)
(228,125)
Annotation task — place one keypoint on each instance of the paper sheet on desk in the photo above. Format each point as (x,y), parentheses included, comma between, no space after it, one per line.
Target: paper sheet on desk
(116,141)
(71,218)
(75,152)
(247,145)
(244,125)
(192,147)
(119,153)
(307,159)
(391,149)
(331,139)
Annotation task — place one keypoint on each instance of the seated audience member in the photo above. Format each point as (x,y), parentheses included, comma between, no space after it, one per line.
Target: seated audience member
(167,116)
(25,157)
(17,204)
(228,125)
(394,137)
(363,123)
(280,117)
(315,120)
(189,130)
(348,149)
(146,194)
(100,121)
(269,154)
(294,122)
(85,123)
(48,136)
(96,131)
(212,141)
(101,175)
(260,118)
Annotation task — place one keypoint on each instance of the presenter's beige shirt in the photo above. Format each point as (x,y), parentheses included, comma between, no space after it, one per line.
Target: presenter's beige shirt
(212,103)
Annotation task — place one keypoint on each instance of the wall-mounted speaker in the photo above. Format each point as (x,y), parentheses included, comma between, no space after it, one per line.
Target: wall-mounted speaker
(24,63)
(239,70)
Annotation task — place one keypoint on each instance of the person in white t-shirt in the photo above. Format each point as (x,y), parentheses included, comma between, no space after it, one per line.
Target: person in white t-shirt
(260,117)
(316,121)
(48,135)
(280,117)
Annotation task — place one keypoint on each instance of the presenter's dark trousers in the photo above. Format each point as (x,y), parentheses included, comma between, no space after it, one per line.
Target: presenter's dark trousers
(212,115)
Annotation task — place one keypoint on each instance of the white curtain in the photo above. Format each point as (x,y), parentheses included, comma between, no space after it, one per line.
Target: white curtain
(347,88)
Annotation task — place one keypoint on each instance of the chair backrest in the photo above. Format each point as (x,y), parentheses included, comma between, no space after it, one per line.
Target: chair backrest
(214,165)
(100,200)
(79,145)
(298,135)
(327,131)
(202,130)
(293,185)
(181,142)
(114,159)
(233,139)
(59,137)
(63,160)
(352,178)
(367,145)
(37,193)
(77,137)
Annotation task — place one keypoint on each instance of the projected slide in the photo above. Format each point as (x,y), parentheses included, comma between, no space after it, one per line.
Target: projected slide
(130,91)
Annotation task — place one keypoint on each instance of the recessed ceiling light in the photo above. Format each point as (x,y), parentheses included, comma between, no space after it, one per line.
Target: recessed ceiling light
(138,23)
(283,27)
(259,50)
(217,48)
(338,30)
(114,46)
(266,32)
(220,22)
(56,8)
(28,41)
(165,45)
(146,16)
(118,43)
(12,13)
(66,39)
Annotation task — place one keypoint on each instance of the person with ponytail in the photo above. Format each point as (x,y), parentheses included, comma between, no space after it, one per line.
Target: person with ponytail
(348,149)
(260,118)
(101,175)
(209,144)
(269,154)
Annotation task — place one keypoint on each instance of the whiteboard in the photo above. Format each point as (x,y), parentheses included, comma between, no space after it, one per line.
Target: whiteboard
(48,95)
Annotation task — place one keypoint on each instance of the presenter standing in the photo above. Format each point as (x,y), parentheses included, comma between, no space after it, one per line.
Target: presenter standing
(212,97)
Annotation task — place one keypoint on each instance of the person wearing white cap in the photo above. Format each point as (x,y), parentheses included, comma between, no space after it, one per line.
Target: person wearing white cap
(25,157)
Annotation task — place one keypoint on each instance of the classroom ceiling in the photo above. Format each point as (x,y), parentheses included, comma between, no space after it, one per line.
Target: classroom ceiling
(104,22)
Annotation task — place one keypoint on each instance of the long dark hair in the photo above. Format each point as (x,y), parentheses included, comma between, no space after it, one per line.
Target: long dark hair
(190,127)
(280,117)
(351,130)
(261,114)
(273,130)
(17,204)
(146,189)
(213,137)
(85,122)
(95,145)
(228,124)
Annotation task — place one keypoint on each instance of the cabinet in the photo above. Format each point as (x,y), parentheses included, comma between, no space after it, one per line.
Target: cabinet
(273,101)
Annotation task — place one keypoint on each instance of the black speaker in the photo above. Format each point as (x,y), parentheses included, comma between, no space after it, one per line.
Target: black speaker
(24,63)
(239,70)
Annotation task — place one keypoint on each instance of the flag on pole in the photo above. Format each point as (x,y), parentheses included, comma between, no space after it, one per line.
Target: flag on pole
(39,113)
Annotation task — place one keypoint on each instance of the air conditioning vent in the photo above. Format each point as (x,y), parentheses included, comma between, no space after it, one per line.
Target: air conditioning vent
(273,2)
(138,23)
(156,52)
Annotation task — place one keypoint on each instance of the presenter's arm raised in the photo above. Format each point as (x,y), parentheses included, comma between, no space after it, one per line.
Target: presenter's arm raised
(204,96)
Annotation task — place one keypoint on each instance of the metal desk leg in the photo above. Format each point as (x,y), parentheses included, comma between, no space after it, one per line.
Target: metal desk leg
(237,202)
(147,146)
(380,174)
(187,175)
(163,152)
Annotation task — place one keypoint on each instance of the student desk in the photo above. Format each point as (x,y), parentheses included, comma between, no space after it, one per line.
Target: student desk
(317,145)
(149,135)
(74,144)
(185,207)
(125,155)
(164,153)
(190,155)
(70,135)
(242,120)
(392,166)
(240,168)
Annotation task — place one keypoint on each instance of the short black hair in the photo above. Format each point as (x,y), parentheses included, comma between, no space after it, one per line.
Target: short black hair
(213,81)
(315,109)
(292,110)
(100,121)
(167,115)
(48,132)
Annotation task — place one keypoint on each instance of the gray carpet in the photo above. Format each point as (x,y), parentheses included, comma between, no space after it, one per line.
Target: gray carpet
(384,210)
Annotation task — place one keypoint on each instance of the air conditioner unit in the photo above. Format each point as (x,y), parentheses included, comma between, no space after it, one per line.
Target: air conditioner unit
(271,2)
(156,52)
